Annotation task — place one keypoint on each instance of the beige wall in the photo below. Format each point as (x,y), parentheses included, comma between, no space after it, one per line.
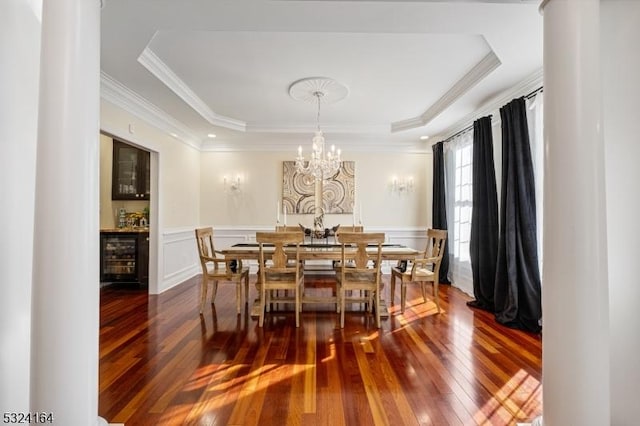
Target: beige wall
(255,203)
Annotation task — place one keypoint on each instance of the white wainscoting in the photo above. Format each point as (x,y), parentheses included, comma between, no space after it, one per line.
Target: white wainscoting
(179,258)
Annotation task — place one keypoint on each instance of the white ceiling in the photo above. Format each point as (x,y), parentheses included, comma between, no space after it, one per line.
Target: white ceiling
(412,68)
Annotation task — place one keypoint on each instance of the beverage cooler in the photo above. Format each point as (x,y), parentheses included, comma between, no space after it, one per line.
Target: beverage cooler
(124,257)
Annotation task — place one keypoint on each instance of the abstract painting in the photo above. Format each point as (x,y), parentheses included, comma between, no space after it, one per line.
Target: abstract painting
(337,192)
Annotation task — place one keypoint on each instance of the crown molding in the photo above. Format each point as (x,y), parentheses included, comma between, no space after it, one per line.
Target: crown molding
(483,68)
(373,129)
(381,145)
(116,93)
(530,83)
(158,68)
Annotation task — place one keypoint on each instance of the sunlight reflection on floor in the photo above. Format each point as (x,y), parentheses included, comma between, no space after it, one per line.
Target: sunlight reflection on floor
(507,401)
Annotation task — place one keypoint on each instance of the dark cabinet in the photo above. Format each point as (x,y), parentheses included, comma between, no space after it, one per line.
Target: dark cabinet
(130,178)
(124,257)
(143,258)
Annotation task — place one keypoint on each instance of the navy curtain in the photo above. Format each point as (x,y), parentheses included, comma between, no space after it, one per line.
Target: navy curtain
(517,284)
(484,217)
(439,206)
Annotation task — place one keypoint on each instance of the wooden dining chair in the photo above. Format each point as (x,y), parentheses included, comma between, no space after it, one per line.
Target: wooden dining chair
(216,268)
(423,270)
(363,274)
(280,269)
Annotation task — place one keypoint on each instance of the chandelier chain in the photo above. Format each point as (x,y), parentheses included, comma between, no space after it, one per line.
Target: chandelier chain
(318,95)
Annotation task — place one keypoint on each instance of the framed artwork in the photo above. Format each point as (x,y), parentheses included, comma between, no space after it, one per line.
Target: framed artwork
(337,193)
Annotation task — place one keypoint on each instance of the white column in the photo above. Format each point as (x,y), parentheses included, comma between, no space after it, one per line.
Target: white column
(19,73)
(64,374)
(620,34)
(575,337)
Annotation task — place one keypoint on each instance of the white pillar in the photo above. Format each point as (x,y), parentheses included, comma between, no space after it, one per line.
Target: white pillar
(64,374)
(575,336)
(620,34)
(19,73)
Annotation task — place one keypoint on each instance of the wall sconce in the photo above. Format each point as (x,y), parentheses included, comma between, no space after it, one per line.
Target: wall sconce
(232,184)
(401,185)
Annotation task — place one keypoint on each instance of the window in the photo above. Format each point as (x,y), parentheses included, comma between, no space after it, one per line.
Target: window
(459,180)
(462,202)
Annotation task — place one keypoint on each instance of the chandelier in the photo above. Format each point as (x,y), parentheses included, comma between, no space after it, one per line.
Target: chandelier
(324,162)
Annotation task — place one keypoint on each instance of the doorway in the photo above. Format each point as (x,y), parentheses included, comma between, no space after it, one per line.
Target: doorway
(134,214)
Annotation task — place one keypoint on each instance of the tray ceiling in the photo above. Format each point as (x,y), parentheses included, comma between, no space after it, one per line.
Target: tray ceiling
(224,67)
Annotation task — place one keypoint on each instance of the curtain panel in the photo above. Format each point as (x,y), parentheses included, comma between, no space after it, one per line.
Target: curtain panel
(439,206)
(535,111)
(517,282)
(484,218)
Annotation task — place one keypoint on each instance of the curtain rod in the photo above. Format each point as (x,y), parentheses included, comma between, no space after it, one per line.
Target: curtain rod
(535,92)
(466,129)
(470,127)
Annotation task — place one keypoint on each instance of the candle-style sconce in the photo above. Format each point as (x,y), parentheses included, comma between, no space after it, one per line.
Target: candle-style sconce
(232,184)
(402,185)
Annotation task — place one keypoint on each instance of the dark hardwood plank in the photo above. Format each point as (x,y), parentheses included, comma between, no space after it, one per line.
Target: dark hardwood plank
(161,363)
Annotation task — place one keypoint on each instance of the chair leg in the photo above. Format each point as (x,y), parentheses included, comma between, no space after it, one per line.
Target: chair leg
(376,299)
(435,295)
(246,289)
(263,305)
(393,287)
(203,292)
(214,291)
(423,287)
(238,297)
(342,307)
(403,296)
(297,307)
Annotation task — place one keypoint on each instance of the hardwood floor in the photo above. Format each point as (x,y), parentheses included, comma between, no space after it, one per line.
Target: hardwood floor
(161,363)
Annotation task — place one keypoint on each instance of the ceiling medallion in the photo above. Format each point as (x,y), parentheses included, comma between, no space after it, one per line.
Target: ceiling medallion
(305,90)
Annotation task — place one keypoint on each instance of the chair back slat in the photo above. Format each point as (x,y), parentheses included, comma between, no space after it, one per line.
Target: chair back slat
(436,239)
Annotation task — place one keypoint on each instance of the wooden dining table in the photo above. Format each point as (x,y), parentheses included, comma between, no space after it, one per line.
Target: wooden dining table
(319,251)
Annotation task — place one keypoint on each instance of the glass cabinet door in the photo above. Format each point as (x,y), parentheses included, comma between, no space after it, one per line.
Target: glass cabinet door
(130,177)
